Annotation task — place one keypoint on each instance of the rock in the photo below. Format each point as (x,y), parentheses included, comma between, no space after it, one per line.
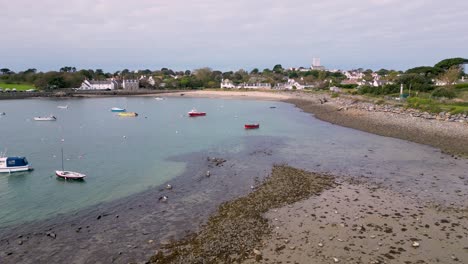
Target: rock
(415,244)
(320,244)
(257,252)
(336,260)
(208,174)
(20,242)
(50,234)
(168,187)
(280,248)
(98,217)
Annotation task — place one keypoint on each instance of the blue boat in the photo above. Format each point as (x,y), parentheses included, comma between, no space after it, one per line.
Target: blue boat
(116,109)
(14,164)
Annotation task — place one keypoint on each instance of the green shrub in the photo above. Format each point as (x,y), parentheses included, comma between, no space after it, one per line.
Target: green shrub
(444,92)
(334,95)
(461,85)
(427,105)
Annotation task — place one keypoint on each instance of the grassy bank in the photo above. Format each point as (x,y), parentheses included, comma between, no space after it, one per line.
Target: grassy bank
(18,87)
(237,228)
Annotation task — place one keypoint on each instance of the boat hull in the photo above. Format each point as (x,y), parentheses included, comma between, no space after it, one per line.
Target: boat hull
(70,175)
(252,126)
(128,114)
(118,110)
(44,119)
(197,114)
(15,169)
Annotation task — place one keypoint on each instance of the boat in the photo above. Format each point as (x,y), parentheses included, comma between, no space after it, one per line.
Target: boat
(13,164)
(252,126)
(47,118)
(194,113)
(128,114)
(159,98)
(116,109)
(62,106)
(2,113)
(69,175)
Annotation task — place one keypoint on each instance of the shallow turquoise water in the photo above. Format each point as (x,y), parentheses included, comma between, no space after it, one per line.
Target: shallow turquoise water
(121,156)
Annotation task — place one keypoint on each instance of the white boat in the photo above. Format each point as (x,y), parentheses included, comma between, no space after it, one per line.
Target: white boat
(47,118)
(117,109)
(69,175)
(159,98)
(62,106)
(13,164)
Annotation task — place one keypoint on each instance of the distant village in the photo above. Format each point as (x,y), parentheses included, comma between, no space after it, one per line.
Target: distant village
(349,78)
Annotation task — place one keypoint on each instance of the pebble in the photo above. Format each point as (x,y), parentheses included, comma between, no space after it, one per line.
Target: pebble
(336,260)
(415,244)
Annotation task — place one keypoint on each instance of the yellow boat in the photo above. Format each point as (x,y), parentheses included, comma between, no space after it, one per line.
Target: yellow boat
(128,114)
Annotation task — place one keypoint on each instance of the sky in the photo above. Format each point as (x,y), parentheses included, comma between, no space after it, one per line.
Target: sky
(230,35)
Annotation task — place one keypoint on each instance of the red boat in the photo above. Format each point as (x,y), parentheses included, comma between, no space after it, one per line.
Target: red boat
(194,113)
(251,126)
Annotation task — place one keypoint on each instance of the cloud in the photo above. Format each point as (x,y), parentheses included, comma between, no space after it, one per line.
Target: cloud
(230,34)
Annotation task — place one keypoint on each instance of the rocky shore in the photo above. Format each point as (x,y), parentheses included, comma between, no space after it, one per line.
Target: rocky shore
(391,121)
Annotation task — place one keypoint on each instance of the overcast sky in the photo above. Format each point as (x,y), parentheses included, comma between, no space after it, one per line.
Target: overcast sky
(230,35)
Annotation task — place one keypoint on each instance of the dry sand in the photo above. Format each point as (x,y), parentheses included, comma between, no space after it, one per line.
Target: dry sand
(360,224)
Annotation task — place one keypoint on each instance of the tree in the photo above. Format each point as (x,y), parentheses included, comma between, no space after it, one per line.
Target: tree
(448,63)
(254,71)
(31,70)
(425,70)
(278,68)
(204,75)
(451,75)
(5,71)
(382,72)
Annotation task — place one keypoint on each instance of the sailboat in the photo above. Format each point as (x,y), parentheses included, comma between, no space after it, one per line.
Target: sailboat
(69,175)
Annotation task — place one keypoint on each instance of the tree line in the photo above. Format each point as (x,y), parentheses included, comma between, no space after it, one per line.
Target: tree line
(419,78)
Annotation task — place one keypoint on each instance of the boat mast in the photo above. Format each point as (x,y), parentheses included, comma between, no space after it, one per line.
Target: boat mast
(62,159)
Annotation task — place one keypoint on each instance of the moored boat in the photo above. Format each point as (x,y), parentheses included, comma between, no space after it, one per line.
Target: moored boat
(159,98)
(128,114)
(194,113)
(14,164)
(70,175)
(117,109)
(62,106)
(252,126)
(46,118)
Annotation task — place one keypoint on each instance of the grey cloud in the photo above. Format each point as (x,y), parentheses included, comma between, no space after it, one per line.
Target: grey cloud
(230,34)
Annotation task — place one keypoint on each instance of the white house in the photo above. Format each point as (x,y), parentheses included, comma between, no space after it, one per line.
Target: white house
(228,84)
(110,84)
(130,84)
(293,84)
